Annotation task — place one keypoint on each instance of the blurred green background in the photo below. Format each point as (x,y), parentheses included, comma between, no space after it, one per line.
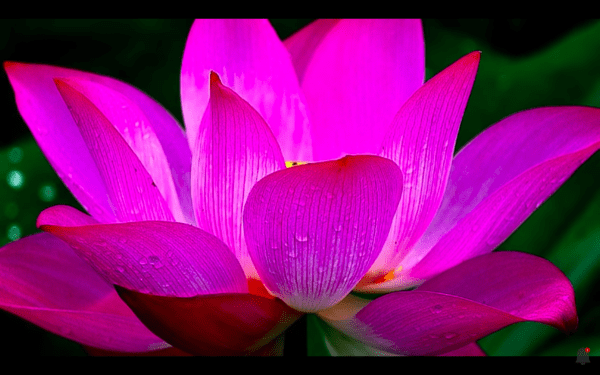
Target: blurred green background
(524,64)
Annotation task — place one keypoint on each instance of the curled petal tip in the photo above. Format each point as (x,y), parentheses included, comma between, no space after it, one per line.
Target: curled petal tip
(214,78)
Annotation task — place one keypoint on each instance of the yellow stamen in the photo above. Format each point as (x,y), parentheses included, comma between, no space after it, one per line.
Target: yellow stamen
(388,276)
(294,163)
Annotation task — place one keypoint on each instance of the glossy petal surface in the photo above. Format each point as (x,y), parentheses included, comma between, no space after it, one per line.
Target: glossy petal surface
(43,281)
(160,258)
(128,184)
(314,230)
(421,141)
(462,305)
(250,59)
(52,125)
(500,178)
(137,131)
(235,149)
(224,324)
(358,77)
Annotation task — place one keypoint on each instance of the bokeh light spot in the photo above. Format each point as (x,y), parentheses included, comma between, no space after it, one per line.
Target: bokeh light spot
(14,232)
(47,193)
(15,155)
(15,179)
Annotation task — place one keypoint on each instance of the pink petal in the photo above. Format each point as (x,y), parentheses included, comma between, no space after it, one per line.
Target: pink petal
(314,230)
(224,324)
(421,141)
(136,129)
(129,186)
(249,58)
(500,178)
(462,305)
(302,44)
(236,149)
(43,281)
(55,131)
(521,284)
(161,258)
(358,77)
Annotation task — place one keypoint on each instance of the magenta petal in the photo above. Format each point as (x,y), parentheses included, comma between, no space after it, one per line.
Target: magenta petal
(153,257)
(500,178)
(423,323)
(421,141)
(302,44)
(462,305)
(55,131)
(130,188)
(358,77)
(236,149)
(314,230)
(521,284)
(139,134)
(249,58)
(43,281)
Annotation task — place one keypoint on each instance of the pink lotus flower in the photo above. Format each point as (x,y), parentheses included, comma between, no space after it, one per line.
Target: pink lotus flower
(199,232)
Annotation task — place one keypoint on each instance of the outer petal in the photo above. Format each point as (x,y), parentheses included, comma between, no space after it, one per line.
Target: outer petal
(55,131)
(358,77)
(249,58)
(463,305)
(314,230)
(500,178)
(421,141)
(235,149)
(160,258)
(129,186)
(138,133)
(43,281)
(224,324)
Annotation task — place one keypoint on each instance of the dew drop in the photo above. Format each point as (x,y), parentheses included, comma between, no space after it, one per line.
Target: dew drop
(155,261)
(436,309)
(143,261)
(301,237)
(120,269)
(450,335)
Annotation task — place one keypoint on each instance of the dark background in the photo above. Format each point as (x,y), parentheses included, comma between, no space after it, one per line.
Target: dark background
(524,64)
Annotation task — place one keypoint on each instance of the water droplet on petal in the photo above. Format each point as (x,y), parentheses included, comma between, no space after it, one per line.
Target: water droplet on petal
(436,309)
(301,237)
(143,261)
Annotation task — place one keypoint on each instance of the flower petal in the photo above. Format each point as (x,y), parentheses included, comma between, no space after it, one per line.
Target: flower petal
(161,258)
(314,230)
(500,178)
(421,141)
(55,131)
(358,77)
(249,58)
(235,149)
(224,324)
(461,305)
(522,284)
(129,186)
(139,134)
(302,44)
(43,281)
